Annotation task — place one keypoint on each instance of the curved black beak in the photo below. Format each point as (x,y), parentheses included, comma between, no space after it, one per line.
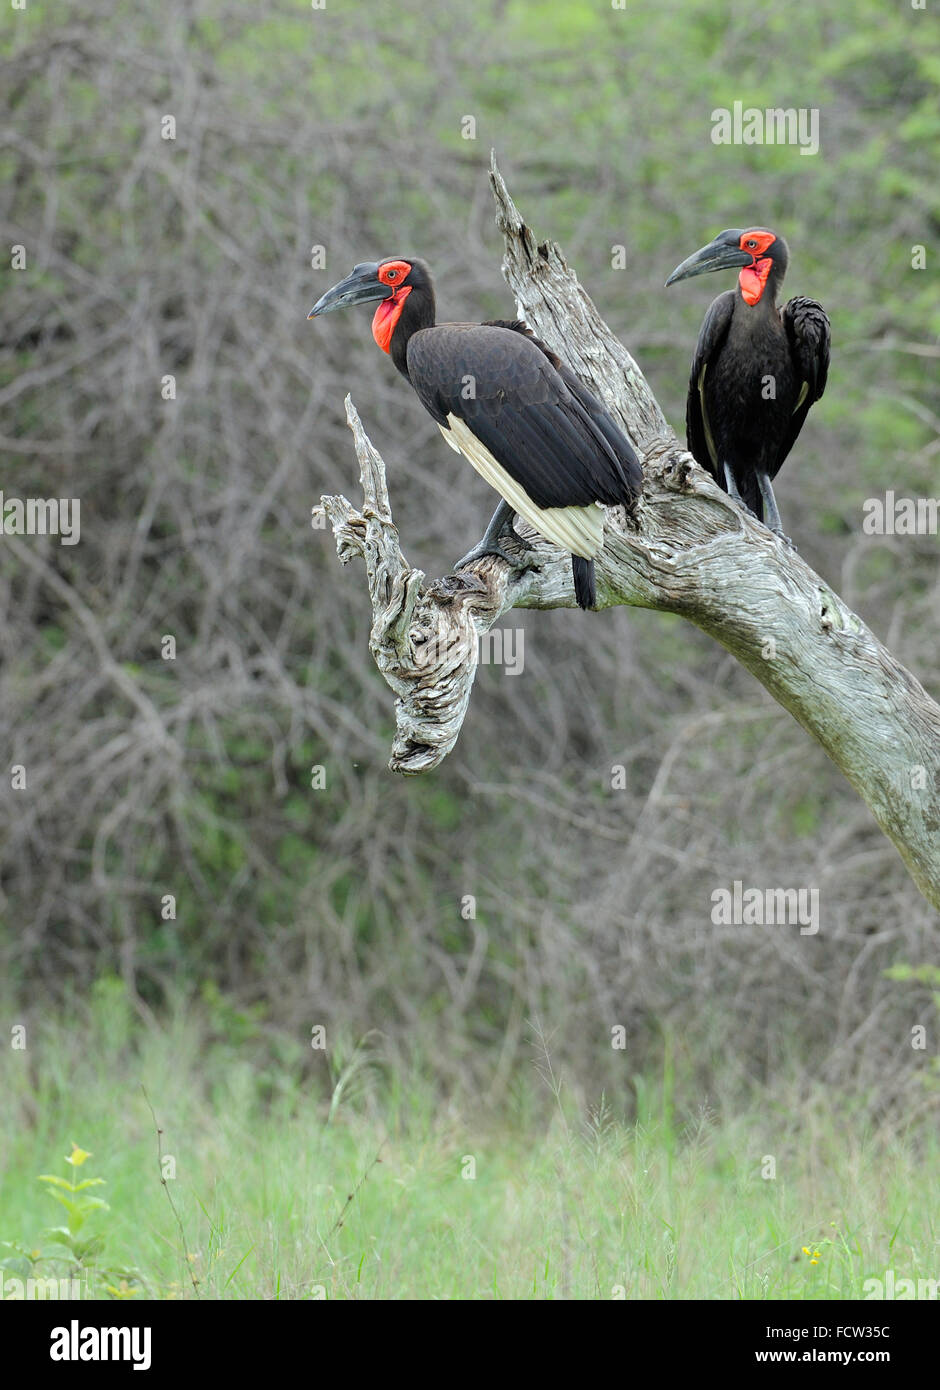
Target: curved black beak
(720,254)
(361,286)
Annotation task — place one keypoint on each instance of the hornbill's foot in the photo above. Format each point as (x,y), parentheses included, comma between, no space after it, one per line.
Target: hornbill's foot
(500,528)
(771,514)
(775,530)
(493,547)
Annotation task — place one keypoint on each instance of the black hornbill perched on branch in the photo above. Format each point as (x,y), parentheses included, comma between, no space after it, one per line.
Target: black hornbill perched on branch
(755,372)
(522,418)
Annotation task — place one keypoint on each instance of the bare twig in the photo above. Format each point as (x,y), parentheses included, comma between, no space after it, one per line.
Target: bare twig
(169,1195)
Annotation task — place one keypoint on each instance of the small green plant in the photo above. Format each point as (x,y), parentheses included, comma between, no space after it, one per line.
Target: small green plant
(79,1206)
(72,1252)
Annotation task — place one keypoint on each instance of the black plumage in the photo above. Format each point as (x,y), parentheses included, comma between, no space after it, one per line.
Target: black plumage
(755,371)
(533,414)
(532,428)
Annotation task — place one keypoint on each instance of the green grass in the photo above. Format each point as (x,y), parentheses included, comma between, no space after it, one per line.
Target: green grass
(283,1190)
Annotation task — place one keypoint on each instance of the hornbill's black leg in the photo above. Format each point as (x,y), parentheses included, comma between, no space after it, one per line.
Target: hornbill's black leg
(731,486)
(771,517)
(501,525)
(771,514)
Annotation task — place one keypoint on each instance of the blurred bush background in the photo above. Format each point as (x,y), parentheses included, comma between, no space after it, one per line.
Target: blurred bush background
(341,128)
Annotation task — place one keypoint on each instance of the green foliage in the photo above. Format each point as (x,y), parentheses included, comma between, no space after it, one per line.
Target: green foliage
(925,973)
(362,1189)
(73,1251)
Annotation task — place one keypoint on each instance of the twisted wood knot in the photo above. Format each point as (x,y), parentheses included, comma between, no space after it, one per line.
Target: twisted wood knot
(672,464)
(456,585)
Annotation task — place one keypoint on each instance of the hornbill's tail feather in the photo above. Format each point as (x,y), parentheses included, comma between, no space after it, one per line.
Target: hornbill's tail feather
(584,589)
(750,495)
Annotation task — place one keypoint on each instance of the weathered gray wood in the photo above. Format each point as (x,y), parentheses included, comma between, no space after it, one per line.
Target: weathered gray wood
(690,550)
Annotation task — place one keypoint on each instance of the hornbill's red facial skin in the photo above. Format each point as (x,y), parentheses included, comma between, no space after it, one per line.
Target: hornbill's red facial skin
(392,282)
(520,416)
(755,371)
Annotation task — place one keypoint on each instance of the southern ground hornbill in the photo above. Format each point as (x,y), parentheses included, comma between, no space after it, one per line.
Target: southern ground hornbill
(522,418)
(755,372)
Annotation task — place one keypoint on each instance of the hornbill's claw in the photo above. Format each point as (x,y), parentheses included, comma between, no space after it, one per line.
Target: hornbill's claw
(494,548)
(500,526)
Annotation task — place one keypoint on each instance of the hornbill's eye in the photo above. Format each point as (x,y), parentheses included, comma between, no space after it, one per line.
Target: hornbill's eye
(751,244)
(390,274)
